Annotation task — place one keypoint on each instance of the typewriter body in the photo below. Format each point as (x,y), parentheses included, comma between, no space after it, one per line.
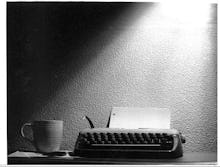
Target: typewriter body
(137,143)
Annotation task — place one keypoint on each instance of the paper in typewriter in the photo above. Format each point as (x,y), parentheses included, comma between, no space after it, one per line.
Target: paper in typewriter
(135,118)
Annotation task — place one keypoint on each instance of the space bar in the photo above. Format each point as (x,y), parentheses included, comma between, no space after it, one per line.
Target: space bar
(142,145)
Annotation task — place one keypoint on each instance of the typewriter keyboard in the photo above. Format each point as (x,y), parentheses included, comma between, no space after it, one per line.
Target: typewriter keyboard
(162,141)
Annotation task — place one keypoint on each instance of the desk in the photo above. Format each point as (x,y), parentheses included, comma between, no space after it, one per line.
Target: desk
(188,158)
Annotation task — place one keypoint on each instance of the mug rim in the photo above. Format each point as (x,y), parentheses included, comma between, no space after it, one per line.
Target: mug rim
(47,121)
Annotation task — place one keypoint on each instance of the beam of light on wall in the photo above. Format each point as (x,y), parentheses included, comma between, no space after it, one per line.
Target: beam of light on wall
(167,26)
(148,45)
(186,12)
(154,42)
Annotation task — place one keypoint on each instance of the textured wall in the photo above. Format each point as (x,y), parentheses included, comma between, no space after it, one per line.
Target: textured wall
(74,63)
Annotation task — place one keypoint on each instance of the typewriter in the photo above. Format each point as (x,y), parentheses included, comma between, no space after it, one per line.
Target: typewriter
(137,143)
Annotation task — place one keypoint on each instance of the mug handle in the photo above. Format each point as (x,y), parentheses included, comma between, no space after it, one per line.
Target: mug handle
(22,132)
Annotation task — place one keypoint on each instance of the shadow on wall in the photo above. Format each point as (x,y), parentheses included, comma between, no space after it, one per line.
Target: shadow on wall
(47,43)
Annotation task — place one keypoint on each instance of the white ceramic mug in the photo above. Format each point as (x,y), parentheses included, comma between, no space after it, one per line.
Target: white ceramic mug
(47,134)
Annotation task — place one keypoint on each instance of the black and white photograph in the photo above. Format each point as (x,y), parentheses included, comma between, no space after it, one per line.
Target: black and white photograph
(111,83)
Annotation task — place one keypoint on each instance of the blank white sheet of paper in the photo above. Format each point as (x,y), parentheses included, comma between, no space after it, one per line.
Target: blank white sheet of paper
(136,117)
